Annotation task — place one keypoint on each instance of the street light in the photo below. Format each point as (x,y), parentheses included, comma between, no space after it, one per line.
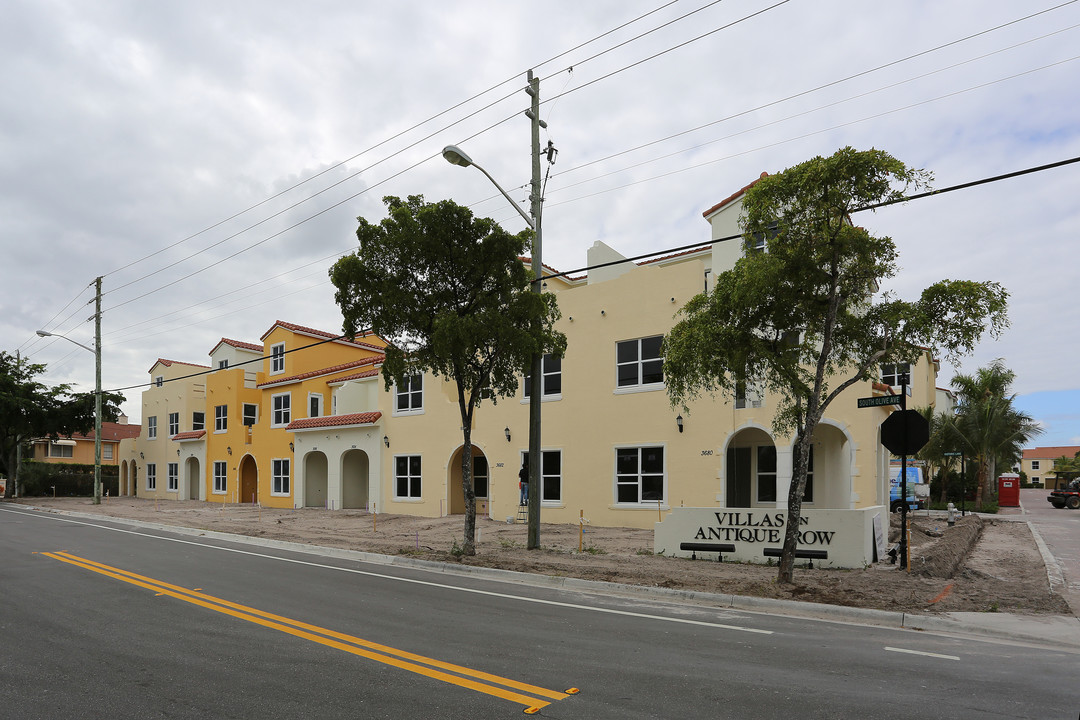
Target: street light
(456,156)
(97,406)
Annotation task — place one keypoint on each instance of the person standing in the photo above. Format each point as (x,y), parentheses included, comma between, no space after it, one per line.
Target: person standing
(523,483)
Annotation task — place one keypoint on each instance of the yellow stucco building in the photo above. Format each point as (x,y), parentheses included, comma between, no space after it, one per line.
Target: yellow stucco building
(314,427)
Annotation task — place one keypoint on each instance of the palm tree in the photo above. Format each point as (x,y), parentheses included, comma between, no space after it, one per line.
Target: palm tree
(987,426)
(940,443)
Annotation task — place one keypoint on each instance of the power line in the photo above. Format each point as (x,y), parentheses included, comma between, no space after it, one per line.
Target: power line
(907,198)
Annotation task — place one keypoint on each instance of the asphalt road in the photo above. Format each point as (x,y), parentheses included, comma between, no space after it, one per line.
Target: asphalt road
(103,620)
(1060,530)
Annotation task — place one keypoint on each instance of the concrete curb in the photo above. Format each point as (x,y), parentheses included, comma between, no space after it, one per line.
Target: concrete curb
(1058,631)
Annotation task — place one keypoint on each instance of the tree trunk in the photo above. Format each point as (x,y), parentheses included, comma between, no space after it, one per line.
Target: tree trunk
(12,472)
(980,487)
(786,572)
(468,546)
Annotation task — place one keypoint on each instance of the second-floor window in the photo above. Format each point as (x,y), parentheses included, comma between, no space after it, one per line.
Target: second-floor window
(223,364)
(151,427)
(221,418)
(315,403)
(1035,465)
(251,414)
(639,362)
(198,421)
(281,409)
(409,394)
(174,423)
(551,382)
(893,374)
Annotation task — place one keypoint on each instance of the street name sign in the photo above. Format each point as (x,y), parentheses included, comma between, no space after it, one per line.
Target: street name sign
(880,400)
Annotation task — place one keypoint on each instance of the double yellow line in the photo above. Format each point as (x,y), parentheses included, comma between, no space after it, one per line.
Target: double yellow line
(532,697)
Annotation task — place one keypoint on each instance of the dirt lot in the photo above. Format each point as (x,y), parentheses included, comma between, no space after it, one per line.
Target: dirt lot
(981,564)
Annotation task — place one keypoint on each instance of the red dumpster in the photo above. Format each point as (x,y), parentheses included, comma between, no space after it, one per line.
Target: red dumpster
(1009,490)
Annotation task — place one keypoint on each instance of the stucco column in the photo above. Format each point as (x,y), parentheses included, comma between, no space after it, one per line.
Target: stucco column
(784,457)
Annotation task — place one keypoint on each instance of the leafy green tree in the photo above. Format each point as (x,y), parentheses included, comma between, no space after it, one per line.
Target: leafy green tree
(802,317)
(1067,468)
(452,295)
(987,425)
(30,409)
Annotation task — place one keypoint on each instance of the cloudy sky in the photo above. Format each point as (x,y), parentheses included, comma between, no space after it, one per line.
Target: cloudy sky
(209,159)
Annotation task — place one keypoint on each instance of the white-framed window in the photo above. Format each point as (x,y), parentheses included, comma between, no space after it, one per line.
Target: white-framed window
(280,409)
(639,362)
(407,485)
(223,364)
(550,475)
(61,451)
(551,380)
(747,395)
(151,476)
(757,242)
(480,476)
(640,475)
(174,423)
(151,427)
(251,414)
(315,404)
(1035,465)
(279,477)
(172,482)
(106,452)
(198,420)
(159,381)
(892,374)
(277,359)
(220,482)
(221,418)
(409,395)
(766,473)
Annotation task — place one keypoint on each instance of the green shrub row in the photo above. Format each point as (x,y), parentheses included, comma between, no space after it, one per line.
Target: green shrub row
(69,479)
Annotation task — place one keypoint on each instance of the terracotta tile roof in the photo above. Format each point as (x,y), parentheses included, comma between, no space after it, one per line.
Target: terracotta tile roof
(238,344)
(374,359)
(358,376)
(170,363)
(320,333)
(367,418)
(730,198)
(189,435)
(1054,452)
(110,432)
(707,248)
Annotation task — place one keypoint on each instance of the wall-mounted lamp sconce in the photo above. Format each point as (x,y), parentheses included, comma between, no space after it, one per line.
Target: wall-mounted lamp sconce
(603,312)
(672,299)
(177,452)
(386,441)
(229,449)
(678,421)
(141,456)
(291,446)
(570,318)
(506,430)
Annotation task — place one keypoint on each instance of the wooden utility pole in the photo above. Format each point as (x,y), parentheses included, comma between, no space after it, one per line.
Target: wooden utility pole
(97,391)
(536,394)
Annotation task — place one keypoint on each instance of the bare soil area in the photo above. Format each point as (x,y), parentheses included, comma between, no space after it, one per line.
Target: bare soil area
(982,564)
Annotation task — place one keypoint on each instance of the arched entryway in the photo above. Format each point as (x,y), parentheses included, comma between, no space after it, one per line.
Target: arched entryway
(829,478)
(354,479)
(481,485)
(193,477)
(315,480)
(249,480)
(123,488)
(750,470)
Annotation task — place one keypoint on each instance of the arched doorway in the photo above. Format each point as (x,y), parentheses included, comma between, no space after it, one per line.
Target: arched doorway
(750,470)
(480,482)
(829,478)
(133,479)
(123,489)
(315,480)
(194,478)
(249,481)
(354,479)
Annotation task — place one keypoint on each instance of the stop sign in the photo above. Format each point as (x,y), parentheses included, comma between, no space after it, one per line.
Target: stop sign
(905,432)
